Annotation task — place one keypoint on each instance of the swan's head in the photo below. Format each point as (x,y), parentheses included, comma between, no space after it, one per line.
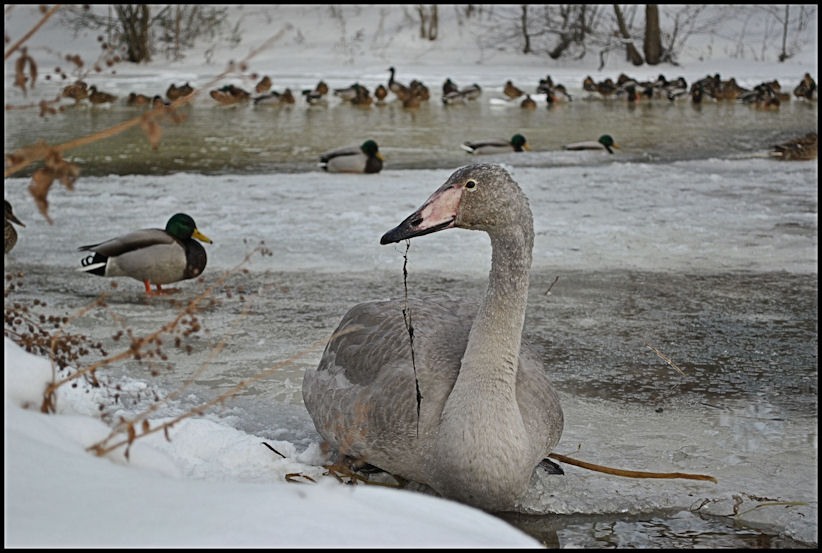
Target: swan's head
(478,197)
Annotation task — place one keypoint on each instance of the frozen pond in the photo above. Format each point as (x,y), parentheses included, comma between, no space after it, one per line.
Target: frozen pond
(686,240)
(713,262)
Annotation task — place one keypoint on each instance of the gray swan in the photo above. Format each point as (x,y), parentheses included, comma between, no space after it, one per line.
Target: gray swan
(488,412)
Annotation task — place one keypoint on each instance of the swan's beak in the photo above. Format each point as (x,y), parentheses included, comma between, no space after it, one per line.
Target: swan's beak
(437,213)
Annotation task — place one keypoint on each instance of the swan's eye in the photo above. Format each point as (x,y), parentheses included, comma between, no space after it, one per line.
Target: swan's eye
(470,185)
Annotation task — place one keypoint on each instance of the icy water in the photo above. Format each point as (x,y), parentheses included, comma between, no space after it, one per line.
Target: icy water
(684,241)
(252,139)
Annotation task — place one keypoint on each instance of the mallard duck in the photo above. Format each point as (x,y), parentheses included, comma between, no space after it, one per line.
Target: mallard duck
(173,92)
(348,93)
(776,88)
(697,92)
(623,79)
(604,142)
(229,94)
(560,94)
(10,235)
(99,97)
(380,94)
(528,103)
(806,88)
(274,98)
(588,84)
(606,88)
(361,96)
(453,97)
(471,92)
(545,85)
(512,91)
(263,86)
(158,103)
(729,90)
(353,159)
(420,90)
(135,99)
(321,87)
(674,90)
(313,97)
(496,145)
(152,256)
(77,91)
(449,86)
(799,149)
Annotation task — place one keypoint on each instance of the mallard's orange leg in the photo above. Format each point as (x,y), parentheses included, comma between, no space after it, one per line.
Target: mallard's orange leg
(159,291)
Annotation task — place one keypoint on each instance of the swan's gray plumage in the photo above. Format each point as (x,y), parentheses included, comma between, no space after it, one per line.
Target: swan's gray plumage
(488,413)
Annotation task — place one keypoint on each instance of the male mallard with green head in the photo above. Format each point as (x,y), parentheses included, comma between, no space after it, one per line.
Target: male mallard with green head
(604,142)
(496,145)
(353,159)
(152,256)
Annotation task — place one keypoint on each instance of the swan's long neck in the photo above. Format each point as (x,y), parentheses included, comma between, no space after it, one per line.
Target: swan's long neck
(485,390)
(482,436)
(492,353)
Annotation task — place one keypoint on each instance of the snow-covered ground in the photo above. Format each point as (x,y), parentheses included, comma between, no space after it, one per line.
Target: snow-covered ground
(214,485)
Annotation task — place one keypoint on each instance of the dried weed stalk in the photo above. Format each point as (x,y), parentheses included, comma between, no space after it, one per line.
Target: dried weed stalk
(45,335)
(138,347)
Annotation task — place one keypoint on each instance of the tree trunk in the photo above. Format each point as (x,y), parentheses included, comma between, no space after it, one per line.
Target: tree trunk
(653,42)
(784,55)
(423,18)
(633,53)
(526,49)
(134,20)
(433,23)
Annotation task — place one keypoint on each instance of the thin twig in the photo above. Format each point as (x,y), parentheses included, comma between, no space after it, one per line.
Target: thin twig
(406,315)
(552,285)
(664,357)
(33,30)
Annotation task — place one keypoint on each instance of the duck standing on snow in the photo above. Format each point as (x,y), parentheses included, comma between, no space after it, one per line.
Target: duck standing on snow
(10,234)
(152,256)
(353,159)
(469,409)
(496,145)
(605,142)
